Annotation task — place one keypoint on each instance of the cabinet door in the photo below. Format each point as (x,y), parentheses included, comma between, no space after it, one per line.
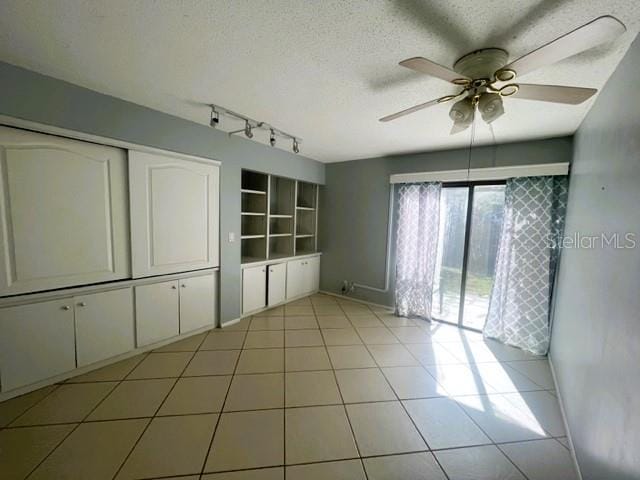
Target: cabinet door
(63,212)
(313,274)
(295,278)
(277,287)
(156,312)
(36,342)
(174,214)
(197,302)
(104,325)
(254,288)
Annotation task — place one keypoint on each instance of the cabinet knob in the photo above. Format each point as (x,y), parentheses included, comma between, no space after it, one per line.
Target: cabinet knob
(173,287)
(82,304)
(263,270)
(183,286)
(66,307)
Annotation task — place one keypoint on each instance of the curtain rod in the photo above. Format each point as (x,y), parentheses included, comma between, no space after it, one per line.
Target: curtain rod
(488,173)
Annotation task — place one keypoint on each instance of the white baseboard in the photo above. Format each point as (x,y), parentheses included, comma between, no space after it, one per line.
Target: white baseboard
(564,417)
(356,300)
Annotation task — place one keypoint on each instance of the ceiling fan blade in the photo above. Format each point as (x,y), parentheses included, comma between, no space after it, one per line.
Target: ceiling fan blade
(422,65)
(419,107)
(554,93)
(598,31)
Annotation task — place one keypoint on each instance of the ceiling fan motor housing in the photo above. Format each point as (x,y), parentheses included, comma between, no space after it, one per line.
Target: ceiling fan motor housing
(481,64)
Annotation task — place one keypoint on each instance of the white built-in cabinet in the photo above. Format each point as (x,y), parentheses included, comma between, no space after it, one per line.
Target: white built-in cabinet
(82,227)
(174,214)
(36,342)
(167,309)
(254,288)
(303,276)
(63,212)
(270,284)
(41,340)
(104,325)
(277,279)
(157,312)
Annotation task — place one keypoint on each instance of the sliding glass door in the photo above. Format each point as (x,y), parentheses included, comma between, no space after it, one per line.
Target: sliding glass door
(470,224)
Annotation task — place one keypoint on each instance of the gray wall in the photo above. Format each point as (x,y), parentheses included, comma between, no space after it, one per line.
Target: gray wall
(30,96)
(595,346)
(354,209)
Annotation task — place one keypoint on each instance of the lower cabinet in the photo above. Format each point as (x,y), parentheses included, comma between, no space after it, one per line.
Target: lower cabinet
(303,276)
(277,284)
(254,288)
(45,339)
(166,309)
(198,305)
(36,342)
(157,310)
(270,285)
(104,325)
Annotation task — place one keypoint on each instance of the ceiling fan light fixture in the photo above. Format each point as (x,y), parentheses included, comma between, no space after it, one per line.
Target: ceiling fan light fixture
(462,111)
(490,106)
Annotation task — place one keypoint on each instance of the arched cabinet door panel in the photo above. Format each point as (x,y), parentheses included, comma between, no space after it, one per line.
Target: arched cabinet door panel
(174,214)
(63,212)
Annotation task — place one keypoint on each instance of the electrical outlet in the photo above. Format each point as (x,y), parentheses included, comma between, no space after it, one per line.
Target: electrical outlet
(232,237)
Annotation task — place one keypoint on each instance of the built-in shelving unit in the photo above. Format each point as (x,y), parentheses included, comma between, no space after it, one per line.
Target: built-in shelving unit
(279,217)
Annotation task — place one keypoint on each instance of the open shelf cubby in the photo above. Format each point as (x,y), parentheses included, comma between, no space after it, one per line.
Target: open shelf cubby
(255,181)
(305,245)
(278,217)
(305,222)
(306,198)
(280,247)
(254,249)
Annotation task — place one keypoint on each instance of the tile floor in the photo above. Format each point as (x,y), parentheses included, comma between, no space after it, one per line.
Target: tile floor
(320,388)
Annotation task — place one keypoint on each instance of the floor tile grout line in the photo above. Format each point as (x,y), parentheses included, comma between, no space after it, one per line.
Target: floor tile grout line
(144,430)
(346,412)
(226,396)
(77,425)
(8,425)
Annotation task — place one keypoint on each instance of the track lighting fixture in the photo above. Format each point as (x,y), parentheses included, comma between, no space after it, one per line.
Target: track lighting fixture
(249,125)
(215,117)
(247,129)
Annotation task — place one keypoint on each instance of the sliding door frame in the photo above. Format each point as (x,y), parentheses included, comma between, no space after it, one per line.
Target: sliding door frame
(467,237)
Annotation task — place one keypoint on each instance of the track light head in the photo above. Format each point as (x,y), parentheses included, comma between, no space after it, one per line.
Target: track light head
(215,117)
(296,148)
(247,129)
(272,138)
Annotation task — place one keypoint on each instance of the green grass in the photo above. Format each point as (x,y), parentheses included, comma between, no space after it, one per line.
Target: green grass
(450,282)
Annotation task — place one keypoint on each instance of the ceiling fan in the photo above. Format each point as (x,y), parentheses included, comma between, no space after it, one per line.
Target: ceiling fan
(485,76)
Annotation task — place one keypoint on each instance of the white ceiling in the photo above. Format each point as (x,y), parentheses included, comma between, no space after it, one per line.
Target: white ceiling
(325,70)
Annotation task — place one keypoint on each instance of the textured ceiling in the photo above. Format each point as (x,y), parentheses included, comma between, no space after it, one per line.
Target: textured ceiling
(325,71)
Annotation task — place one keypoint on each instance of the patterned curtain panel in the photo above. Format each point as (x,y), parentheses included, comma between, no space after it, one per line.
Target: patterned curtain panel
(527,258)
(416,247)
